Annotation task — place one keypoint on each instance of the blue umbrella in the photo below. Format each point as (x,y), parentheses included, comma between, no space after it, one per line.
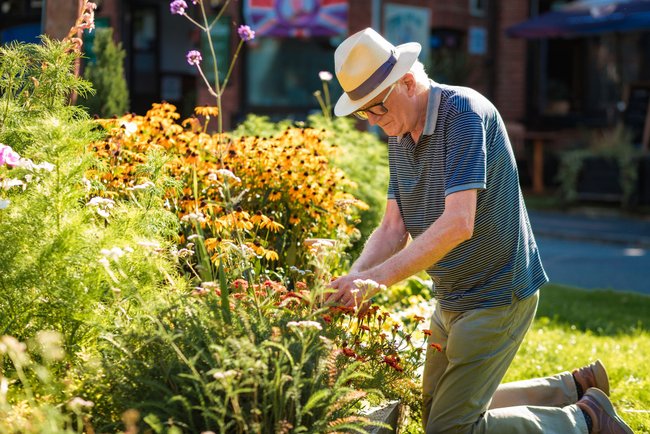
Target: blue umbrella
(585,18)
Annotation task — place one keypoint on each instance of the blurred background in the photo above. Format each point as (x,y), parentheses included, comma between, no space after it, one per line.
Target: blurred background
(570,78)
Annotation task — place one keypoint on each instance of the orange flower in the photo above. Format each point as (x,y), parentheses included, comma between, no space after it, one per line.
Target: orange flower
(206,110)
(436,347)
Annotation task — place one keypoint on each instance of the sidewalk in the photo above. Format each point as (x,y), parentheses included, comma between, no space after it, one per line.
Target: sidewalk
(591,226)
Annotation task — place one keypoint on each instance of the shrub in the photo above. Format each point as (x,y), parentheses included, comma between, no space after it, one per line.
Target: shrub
(266,368)
(280,190)
(107,76)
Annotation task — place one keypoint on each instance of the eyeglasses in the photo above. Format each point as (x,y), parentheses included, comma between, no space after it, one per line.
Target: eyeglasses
(378,109)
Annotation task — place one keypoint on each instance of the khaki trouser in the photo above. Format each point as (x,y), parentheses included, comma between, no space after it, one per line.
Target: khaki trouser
(461,384)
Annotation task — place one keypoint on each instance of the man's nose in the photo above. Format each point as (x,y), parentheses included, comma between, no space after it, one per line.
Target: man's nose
(372,118)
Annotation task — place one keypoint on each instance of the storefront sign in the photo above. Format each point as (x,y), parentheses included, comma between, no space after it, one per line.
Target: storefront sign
(297,18)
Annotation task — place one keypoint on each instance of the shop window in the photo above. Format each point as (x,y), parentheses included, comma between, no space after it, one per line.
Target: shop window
(283,72)
(449,59)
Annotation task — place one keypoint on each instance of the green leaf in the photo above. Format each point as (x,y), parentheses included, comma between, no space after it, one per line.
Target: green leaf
(153,421)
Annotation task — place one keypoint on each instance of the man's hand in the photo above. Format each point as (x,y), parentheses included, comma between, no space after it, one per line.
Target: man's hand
(354,291)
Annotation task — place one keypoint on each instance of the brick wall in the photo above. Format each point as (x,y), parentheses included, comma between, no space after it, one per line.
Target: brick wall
(510,86)
(60,16)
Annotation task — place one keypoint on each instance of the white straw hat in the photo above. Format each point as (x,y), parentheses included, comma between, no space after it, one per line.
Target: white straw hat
(366,64)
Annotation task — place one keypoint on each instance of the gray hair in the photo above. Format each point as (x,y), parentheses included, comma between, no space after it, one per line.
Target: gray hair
(419,73)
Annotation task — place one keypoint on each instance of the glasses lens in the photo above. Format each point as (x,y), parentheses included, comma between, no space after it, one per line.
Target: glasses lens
(361,114)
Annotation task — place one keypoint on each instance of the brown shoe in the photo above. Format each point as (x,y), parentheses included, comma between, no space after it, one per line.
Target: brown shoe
(593,375)
(603,416)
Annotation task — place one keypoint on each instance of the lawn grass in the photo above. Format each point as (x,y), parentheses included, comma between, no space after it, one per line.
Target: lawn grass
(574,327)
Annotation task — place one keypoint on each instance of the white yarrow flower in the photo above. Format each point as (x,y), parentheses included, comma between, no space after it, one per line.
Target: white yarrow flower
(325,76)
(143,186)
(305,325)
(228,174)
(129,128)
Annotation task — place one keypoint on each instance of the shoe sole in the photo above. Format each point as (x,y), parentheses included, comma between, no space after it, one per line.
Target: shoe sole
(600,375)
(606,404)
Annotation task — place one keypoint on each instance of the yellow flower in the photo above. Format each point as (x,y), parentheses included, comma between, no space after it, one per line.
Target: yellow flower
(271,225)
(271,255)
(206,110)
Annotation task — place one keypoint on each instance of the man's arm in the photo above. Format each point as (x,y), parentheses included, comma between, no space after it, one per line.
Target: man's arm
(389,238)
(455,225)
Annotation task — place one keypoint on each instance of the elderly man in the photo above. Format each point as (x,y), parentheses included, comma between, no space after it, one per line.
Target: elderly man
(454,191)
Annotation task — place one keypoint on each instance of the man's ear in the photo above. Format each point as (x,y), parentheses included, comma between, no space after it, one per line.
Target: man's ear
(409,81)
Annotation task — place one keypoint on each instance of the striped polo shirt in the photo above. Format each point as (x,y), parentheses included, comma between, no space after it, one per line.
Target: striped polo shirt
(464,145)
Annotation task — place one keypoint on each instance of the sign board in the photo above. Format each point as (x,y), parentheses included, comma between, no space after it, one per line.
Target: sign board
(404,24)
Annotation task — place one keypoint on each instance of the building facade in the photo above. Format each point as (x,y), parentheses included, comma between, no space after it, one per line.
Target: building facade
(463,43)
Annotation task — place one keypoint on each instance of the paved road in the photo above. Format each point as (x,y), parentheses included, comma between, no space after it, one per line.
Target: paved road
(594,250)
(596,265)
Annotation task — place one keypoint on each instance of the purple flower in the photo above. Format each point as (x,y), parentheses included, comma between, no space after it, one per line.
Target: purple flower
(245,33)
(194,57)
(177,7)
(8,156)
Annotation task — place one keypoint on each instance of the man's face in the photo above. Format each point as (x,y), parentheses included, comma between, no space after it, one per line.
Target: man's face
(384,111)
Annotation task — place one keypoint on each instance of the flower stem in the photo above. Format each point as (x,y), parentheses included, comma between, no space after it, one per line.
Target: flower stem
(195,22)
(232,64)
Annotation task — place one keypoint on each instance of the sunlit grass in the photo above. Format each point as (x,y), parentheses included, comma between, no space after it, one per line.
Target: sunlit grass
(574,327)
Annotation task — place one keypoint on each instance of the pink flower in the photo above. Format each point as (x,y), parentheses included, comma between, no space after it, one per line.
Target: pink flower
(177,7)
(246,33)
(8,156)
(194,57)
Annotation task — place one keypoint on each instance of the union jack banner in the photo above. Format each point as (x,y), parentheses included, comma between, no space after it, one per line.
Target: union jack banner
(297,18)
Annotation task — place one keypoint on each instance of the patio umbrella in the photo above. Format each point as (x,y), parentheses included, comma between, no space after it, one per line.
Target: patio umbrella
(584,18)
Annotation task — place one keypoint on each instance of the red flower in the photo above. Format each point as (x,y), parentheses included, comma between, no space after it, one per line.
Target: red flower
(427,332)
(240,284)
(437,347)
(349,352)
(327,318)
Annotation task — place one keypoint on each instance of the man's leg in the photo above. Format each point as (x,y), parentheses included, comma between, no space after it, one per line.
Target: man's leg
(435,363)
(556,391)
(479,347)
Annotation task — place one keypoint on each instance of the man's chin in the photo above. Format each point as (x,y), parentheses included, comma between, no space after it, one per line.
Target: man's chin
(389,129)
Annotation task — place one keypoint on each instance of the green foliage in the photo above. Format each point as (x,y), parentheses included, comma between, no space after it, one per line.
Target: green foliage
(59,243)
(36,80)
(107,76)
(34,371)
(264,370)
(364,158)
(615,145)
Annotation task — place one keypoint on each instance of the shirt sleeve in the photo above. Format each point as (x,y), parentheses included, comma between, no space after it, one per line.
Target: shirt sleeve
(465,151)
